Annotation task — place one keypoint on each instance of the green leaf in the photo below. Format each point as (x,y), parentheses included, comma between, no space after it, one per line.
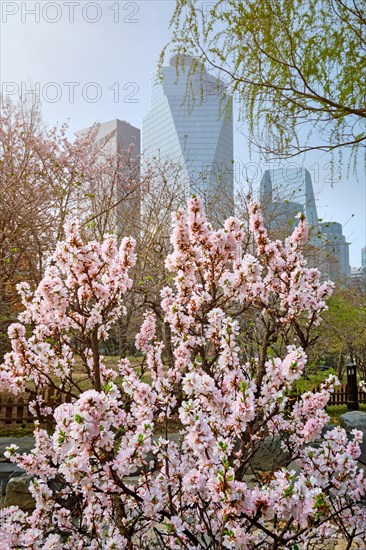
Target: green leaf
(108,387)
(79,419)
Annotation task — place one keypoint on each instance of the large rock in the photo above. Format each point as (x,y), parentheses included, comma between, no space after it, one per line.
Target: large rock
(17,493)
(270,455)
(295,466)
(7,471)
(353,419)
(250,481)
(356,420)
(25,444)
(318,442)
(176,437)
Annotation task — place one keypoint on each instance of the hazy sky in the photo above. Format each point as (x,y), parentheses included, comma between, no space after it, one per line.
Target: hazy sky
(91,61)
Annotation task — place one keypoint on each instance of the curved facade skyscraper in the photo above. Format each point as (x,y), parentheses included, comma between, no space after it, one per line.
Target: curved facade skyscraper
(195,135)
(285,192)
(290,185)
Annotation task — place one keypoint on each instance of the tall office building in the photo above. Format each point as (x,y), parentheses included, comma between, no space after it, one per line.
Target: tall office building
(288,190)
(358,278)
(114,138)
(118,135)
(337,251)
(196,136)
(358,274)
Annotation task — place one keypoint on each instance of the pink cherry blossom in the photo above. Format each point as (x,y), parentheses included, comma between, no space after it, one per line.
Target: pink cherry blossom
(110,475)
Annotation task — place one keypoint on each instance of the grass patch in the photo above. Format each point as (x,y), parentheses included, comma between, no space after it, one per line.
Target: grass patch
(312,381)
(16,430)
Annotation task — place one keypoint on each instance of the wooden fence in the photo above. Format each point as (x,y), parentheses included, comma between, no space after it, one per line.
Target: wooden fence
(339,397)
(14,409)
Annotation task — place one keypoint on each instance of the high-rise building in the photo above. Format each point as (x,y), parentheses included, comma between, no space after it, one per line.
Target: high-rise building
(358,278)
(114,138)
(337,251)
(289,190)
(358,274)
(197,135)
(118,135)
(285,190)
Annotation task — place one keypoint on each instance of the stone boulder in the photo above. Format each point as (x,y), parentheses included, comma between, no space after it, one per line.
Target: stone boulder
(318,442)
(295,466)
(250,481)
(176,437)
(356,420)
(270,456)
(17,493)
(7,471)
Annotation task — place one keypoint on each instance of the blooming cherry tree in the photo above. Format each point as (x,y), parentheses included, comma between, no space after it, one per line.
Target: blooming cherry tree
(110,475)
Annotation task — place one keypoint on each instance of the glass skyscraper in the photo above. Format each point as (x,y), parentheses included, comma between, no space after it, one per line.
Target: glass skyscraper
(337,250)
(114,138)
(289,190)
(290,187)
(196,136)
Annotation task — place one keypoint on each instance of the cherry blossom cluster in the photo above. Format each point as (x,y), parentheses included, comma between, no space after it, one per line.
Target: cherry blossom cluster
(112,474)
(73,308)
